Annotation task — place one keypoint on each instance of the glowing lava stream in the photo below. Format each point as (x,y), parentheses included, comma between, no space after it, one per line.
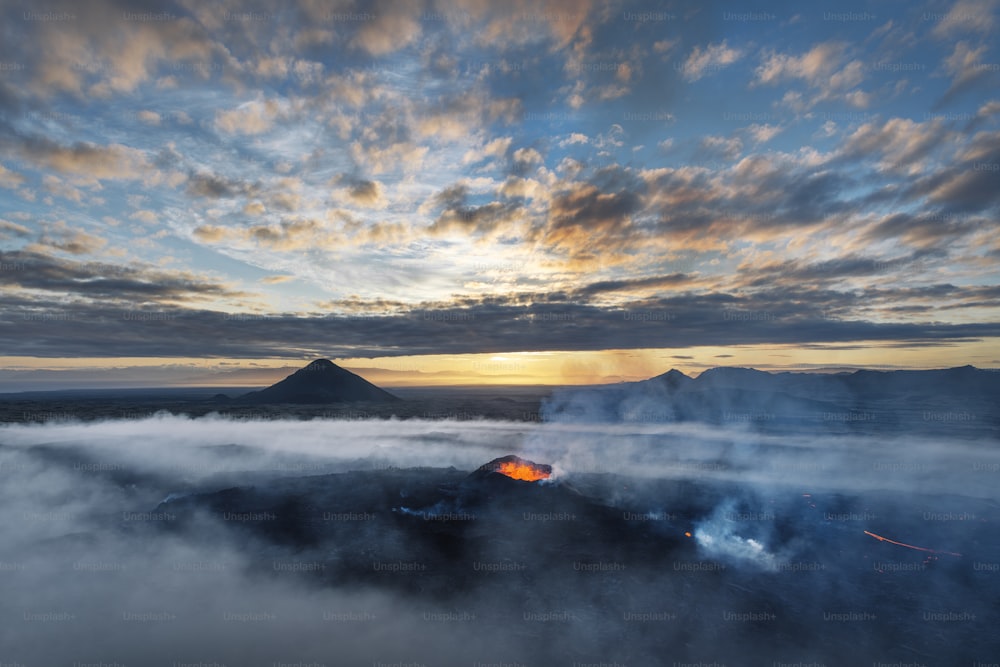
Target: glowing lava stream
(521,471)
(910,546)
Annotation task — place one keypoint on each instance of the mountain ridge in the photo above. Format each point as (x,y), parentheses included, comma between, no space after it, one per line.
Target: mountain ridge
(962,397)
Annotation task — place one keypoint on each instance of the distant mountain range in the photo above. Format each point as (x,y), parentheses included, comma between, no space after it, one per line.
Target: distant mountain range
(962,380)
(322,381)
(717,394)
(965,396)
(943,401)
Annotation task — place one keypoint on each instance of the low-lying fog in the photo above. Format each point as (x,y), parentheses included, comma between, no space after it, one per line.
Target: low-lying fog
(80,588)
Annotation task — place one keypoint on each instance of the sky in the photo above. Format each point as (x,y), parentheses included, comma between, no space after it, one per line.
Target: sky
(443,192)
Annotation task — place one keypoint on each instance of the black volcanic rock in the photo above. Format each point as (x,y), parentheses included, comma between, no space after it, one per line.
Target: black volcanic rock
(322,381)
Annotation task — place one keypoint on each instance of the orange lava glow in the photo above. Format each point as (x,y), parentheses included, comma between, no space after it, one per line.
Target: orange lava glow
(909,546)
(522,471)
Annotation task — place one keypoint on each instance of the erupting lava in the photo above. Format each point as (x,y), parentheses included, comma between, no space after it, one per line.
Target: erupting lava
(523,471)
(517,468)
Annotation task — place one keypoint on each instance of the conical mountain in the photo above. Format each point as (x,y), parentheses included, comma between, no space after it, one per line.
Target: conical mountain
(322,381)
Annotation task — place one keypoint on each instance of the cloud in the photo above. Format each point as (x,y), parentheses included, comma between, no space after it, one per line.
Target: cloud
(210,233)
(574,138)
(965,67)
(100,52)
(712,59)
(60,236)
(254,208)
(254,117)
(587,219)
(524,159)
(305,72)
(496,148)
(276,280)
(146,216)
(87,162)
(361,192)
(763,133)
(641,286)
(475,220)
(814,66)
(149,117)
(989,109)
(9,229)
(284,194)
(455,117)
(215,186)
(234,123)
(389,157)
(368,193)
(967,16)
(897,143)
(98,282)
(828,272)
(289,234)
(9,179)
(969,191)
(557,23)
(58,187)
(781,316)
(459,217)
(527,188)
(393,26)
(723,147)
(928,230)
(825,67)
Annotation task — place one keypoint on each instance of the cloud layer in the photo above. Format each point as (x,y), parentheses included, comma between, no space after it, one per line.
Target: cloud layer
(835,172)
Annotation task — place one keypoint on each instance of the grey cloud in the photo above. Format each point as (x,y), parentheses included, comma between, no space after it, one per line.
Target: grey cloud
(796,273)
(365,191)
(926,229)
(972,190)
(452,196)
(495,325)
(99,281)
(475,219)
(669,281)
(595,214)
(217,186)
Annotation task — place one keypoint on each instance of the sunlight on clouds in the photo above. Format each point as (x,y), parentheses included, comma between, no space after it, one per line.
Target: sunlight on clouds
(480,158)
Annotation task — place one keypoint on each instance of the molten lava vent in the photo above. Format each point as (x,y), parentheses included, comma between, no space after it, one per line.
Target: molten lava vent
(516,468)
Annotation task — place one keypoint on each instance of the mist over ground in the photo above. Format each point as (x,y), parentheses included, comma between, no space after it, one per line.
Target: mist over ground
(171,540)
